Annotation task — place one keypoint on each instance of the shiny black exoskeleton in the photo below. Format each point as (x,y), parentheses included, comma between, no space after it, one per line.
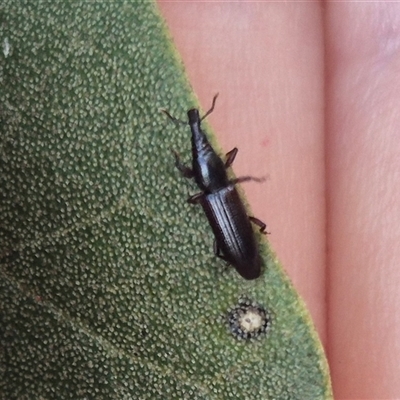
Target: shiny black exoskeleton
(235,241)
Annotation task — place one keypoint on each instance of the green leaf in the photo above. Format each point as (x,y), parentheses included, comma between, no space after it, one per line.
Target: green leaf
(109,286)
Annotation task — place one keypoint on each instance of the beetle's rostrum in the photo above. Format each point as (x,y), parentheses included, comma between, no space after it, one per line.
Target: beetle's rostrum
(235,240)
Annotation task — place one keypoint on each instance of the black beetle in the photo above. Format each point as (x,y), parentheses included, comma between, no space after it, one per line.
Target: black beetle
(235,241)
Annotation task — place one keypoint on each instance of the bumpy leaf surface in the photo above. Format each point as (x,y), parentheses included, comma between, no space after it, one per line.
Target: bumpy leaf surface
(109,286)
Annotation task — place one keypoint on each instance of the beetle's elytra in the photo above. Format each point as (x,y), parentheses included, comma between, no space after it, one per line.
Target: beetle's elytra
(235,241)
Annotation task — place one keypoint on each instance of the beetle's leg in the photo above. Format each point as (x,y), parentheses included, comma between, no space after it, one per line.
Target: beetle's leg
(196,198)
(218,253)
(211,109)
(259,223)
(176,120)
(185,171)
(230,157)
(246,179)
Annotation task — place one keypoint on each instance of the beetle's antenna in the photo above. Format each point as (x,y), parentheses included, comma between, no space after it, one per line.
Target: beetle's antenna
(176,120)
(211,109)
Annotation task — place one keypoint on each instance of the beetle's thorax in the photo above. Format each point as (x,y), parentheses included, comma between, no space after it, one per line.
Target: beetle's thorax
(209,169)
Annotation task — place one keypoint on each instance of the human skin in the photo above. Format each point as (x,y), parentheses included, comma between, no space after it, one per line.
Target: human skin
(309,95)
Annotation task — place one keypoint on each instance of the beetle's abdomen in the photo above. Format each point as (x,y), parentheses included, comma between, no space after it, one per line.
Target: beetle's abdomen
(233,231)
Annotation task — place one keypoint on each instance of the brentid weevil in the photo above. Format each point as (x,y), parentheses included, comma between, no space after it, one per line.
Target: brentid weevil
(235,241)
